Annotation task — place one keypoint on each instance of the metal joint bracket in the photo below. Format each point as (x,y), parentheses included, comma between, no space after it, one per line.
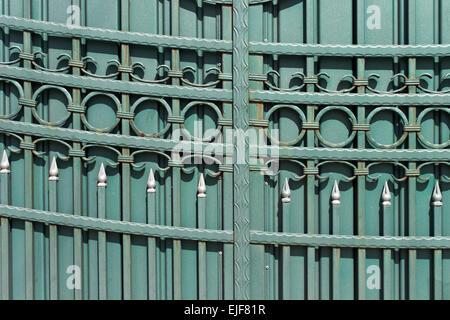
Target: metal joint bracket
(27,102)
(224,76)
(175,163)
(412,82)
(311,171)
(361,127)
(311,80)
(175,119)
(76,63)
(175,74)
(26,56)
(226,167)
(125,159)
(225,122)
(259,123)
(361,82)
(77,153)
(311,126)
(412,172)
(125,69)
(257,77)
(76,108)
(412,128)
(361,171)
(125,115)
(26,145)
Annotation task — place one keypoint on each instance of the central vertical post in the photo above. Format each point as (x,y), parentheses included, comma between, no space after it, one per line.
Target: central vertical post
(241,173)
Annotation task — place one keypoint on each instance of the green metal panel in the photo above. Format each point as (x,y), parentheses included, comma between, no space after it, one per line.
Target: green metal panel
(206,149)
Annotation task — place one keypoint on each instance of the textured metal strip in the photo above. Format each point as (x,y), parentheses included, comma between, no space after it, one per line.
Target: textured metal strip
(62,30)
(155,90)
(340,241)
(350,99)
(241,174)
(333,50)
(88,223)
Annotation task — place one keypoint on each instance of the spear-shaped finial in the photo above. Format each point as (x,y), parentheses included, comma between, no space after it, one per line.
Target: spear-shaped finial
(53,172)
(437,196)
(335,195)
(386,196)
(151,183)
(4,164)
(286,192)
(101,178)
(201,189)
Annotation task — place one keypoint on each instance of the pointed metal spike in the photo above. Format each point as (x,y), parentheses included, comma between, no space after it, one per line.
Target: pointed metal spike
(53,172)
(386,196)
(201,189)
(335,195)
(4,164)
(437,196)
(151,183)
(101,178)
(286,192)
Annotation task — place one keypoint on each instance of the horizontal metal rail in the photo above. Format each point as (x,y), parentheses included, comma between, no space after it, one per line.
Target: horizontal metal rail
(117,140)
(137,88)
(302,98)
(224,236)
(62,30)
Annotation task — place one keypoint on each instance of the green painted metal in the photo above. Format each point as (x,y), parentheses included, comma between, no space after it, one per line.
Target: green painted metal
(113,184)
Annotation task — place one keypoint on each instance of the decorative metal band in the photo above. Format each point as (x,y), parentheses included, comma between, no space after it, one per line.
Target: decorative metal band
(349,241)
(76,108)
(225,76)
(174,163)
(311,171)
(225,167)
(77,153)
(412,82)
(175,74)
(361,82)
(225,122)
(257,77)
(412,172)
(27,145)
(125,69)
(311,125)
(76,63)
(259,123)
(27,102)
(126,159)
(125,115)
(258,167)
(412,128)
(361,171)
(361,127)
(88,223)
(175,119)
(311,80)
(26,56)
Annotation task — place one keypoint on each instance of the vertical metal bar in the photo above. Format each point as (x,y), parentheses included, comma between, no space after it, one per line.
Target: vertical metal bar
(310,180)
(228,276)
(201,224)
(387,253)
(286,251)
(437,232)
(53,231)
(5,226)
(336,252)
(77,165)
(176,174)
(102,258)
(241,173)
(151,219)
(28,170)
(361,144)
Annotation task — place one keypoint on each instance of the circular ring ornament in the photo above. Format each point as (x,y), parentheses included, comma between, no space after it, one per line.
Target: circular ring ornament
(302,131)
(139,131)
(387,146)
(36,114)
(421,137)
(196,103)
(349,138)
(84,118)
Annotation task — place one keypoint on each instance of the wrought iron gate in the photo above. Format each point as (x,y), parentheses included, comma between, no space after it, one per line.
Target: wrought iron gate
(119,179)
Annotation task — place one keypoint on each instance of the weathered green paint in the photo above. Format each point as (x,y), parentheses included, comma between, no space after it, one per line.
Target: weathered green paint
(359,106)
